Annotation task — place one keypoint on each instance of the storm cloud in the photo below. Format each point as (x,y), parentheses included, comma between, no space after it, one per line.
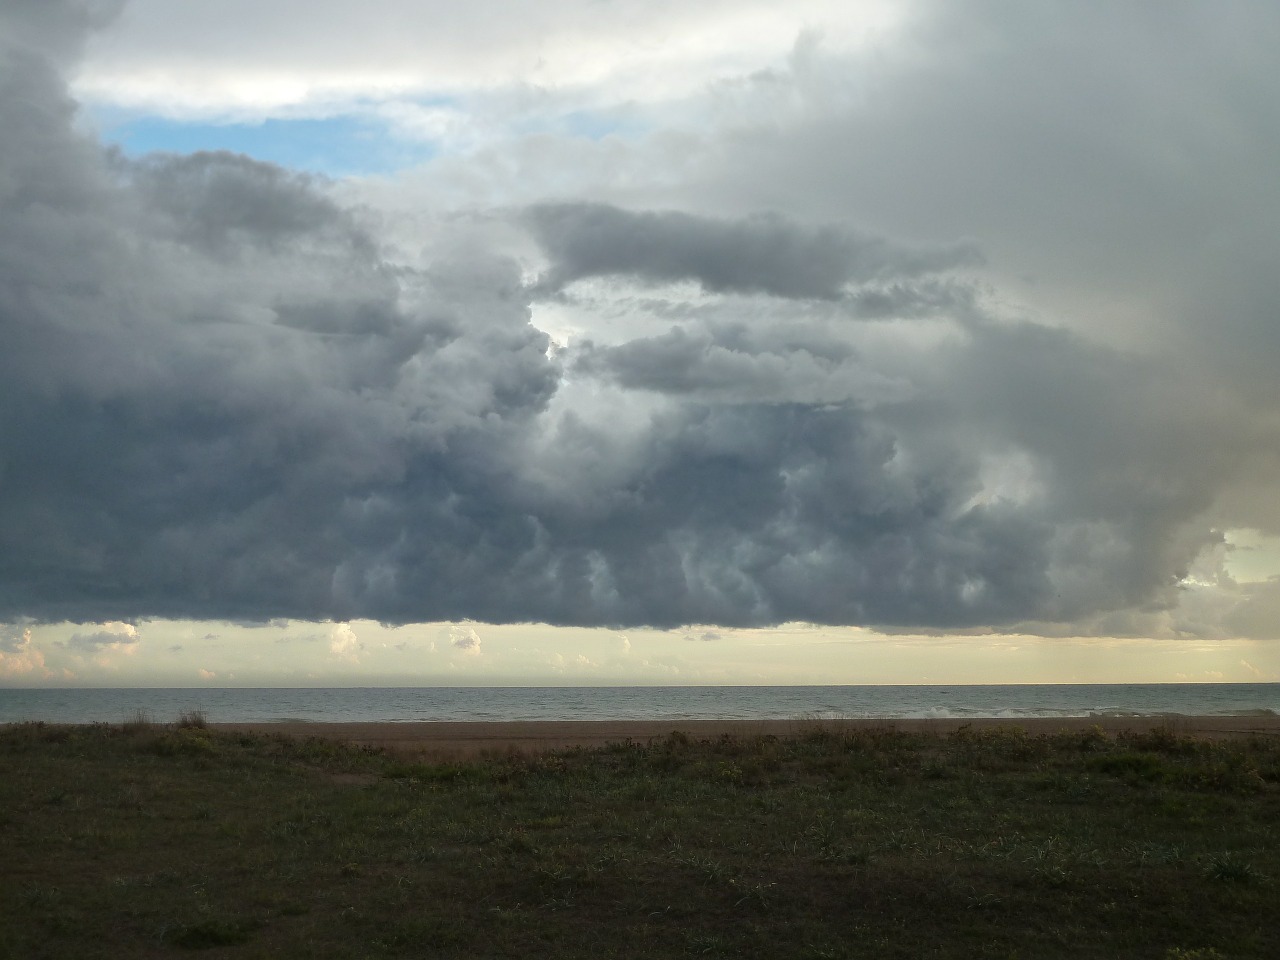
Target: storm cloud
(763,253)
(225,394)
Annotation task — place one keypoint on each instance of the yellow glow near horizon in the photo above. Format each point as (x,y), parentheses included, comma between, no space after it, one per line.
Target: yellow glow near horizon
(364,653)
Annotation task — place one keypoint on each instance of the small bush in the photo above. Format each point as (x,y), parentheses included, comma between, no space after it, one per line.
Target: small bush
(1231,868)
(1162,739)
(677,741)
(1093,739)
(192,720)
(1129,764)
(138,722)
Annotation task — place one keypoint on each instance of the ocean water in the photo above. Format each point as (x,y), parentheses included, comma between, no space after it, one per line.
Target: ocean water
(403,704)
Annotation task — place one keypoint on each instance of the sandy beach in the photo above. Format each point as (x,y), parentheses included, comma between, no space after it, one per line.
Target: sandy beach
(460,739)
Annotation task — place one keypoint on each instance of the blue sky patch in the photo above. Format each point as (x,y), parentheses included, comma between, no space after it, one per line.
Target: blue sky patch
(337,147)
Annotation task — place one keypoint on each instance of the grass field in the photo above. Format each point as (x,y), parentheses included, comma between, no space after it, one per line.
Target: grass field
(146,840)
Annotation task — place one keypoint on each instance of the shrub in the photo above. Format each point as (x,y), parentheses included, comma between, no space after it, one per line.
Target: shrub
(192,719)
(1231,868)
(138,722)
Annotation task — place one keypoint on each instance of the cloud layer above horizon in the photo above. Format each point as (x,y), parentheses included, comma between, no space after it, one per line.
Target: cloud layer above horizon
(969,327)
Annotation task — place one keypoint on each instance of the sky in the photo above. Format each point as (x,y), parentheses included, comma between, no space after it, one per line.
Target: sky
(612,342)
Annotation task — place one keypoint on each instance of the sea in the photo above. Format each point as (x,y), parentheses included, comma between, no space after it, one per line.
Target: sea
(416,704)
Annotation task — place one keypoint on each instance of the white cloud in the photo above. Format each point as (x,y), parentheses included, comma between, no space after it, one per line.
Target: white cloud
(18,657)
(344,644)
(242,57)
(464,638)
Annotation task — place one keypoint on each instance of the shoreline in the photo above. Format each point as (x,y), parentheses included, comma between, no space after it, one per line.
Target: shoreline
(475,737)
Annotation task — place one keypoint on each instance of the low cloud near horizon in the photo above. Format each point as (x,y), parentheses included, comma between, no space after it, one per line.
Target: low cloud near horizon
(975,334)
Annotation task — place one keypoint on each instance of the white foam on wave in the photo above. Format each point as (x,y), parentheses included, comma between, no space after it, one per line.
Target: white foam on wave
(1022,713)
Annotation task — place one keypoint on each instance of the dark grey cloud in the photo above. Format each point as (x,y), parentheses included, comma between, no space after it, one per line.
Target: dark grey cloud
(925,298)
(222,397)
(56,29)
(718,362)
(230,206)
(212,385)
(763,253)
(760,513)
(1112,160)
(101,640)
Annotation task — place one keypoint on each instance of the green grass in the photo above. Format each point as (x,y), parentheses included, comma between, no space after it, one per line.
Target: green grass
(152,840)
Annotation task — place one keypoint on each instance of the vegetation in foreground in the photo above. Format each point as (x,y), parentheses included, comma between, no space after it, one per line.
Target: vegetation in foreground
(151,841)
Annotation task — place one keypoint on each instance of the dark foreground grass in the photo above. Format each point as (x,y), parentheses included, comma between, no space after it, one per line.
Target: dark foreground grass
(149,841)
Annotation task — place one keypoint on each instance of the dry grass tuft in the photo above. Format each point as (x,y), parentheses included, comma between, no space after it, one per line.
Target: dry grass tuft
(192,720)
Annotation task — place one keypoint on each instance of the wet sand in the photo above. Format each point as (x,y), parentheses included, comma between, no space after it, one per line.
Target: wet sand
(463,739)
